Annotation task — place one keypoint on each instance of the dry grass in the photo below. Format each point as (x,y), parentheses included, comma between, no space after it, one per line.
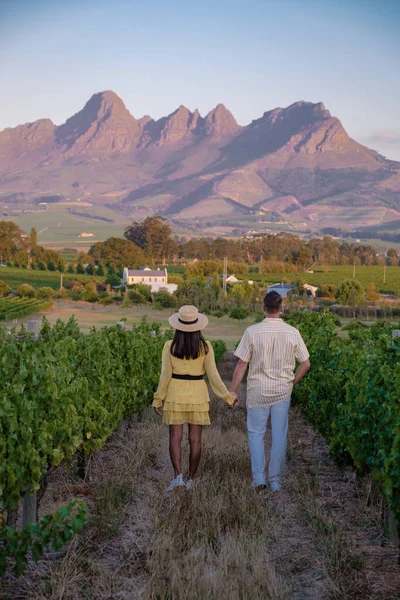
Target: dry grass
(96,315)
(316,540)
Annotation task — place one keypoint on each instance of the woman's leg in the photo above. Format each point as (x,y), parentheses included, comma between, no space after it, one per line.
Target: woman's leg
(175,439)
(195,448)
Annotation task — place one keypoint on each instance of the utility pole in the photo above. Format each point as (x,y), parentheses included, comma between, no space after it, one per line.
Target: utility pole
(225,275)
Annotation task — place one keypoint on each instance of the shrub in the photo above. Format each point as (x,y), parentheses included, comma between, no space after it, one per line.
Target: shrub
(106,301)
(90,294)
(164,299)
(77,293)
(45,292)
(219,347)
(26,291)
(4,289)
(136,297)
(239,313)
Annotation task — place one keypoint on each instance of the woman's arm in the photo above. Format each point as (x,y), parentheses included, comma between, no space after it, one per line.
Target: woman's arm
(218,386)
(165,377)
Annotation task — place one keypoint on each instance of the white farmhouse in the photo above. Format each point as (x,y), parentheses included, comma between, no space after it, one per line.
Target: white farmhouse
(156,279)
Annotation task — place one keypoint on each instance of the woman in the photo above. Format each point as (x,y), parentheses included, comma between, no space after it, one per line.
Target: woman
(185,359)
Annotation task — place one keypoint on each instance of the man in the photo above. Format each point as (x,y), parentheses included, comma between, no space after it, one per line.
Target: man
(271,348)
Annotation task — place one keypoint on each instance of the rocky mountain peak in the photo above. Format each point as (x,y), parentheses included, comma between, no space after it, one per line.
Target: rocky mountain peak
(177,126)
(220,122)
(104,124)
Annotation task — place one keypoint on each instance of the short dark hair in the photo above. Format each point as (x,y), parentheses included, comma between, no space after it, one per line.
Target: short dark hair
(272,302)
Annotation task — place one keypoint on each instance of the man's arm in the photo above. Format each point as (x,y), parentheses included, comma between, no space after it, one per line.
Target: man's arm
(303,368)
(238,375)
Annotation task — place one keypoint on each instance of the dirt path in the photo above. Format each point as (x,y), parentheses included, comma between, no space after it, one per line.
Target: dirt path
(317,539)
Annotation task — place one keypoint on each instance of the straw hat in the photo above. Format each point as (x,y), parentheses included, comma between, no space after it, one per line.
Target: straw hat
(188,319)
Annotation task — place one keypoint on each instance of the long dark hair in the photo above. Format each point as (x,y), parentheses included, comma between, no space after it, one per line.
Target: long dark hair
(188,344)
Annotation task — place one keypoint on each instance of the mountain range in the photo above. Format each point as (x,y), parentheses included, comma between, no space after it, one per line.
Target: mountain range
(294,164)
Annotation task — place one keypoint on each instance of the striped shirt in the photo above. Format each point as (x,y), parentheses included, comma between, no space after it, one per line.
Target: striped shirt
(272,348)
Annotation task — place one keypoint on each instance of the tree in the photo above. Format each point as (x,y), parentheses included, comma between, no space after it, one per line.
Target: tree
(41,265)
(51,266)
(11,240)
(70,268)
(33,239)
(90,294)
(112,278)
(119,252)
(154,237)
(392,257)
(61,266)
(26,291)
(242,292)
(350,293)
(89,269)
(80,268)
(100,270)
(4,289)
(372,296)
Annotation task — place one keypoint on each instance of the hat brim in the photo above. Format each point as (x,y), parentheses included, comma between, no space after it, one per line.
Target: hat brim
(201,323)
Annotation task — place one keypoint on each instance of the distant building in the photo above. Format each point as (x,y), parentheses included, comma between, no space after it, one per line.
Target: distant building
(156,279)
(312,289)
(230,279)
(282,288)
(85,234)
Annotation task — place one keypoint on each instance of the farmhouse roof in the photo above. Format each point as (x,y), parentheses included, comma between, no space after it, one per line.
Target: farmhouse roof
(145,273)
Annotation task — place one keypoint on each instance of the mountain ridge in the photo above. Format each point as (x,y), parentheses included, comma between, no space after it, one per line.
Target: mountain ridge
(188,166)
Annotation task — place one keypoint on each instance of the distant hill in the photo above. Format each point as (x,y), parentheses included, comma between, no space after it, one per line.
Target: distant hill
(294,164)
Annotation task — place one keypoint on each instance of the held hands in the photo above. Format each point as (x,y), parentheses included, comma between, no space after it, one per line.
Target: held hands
(236,401)
(157,410)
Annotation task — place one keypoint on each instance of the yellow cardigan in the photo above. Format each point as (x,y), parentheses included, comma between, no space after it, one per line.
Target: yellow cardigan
(188,395)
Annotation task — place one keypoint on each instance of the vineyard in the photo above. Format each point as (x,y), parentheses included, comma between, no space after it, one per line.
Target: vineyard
(14,277)
(62,395)
(16,308)
(65,393)
(351,397)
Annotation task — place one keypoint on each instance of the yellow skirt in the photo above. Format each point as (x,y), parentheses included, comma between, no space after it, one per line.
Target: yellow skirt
(180,417)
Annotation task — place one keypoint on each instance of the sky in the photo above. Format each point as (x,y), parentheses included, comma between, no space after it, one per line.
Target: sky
(251,55)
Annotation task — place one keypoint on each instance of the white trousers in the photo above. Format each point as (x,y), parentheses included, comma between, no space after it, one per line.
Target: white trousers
(257,419)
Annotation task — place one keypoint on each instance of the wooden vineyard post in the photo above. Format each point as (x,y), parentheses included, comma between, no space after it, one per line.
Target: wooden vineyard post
(33,326)
(28,509)
(394,526)
(29,502)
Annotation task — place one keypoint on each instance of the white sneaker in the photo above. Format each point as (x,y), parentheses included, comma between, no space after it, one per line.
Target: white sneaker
(276,486)
(189,484)
(176,482)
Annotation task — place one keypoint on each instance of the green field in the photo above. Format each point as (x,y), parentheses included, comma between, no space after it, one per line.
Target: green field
(330,274)
(57,227)
(15,277)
